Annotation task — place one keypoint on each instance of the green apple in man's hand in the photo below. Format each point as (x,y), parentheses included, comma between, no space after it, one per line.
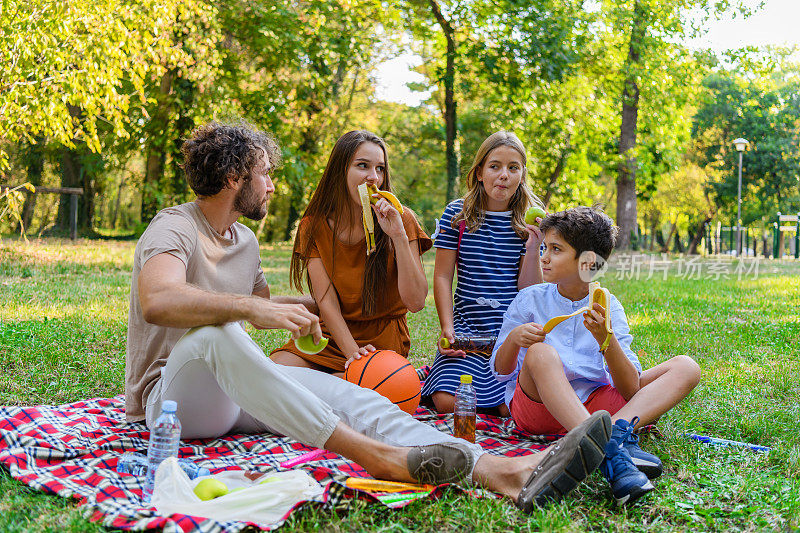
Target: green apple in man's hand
(306,344)
(532,213)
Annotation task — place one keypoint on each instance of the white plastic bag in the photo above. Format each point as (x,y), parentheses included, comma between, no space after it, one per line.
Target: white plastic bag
(262,503)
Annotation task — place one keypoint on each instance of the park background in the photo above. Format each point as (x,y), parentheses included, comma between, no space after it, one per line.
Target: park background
(99,95)
(631,104)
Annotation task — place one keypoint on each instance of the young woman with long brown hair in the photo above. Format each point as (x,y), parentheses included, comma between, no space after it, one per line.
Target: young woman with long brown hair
(496,253)
(363,299)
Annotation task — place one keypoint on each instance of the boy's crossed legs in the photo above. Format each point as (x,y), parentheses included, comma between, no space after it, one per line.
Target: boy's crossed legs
(544,382)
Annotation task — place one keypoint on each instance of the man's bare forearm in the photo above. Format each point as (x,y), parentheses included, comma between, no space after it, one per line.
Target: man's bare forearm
(168,300)
(187,306)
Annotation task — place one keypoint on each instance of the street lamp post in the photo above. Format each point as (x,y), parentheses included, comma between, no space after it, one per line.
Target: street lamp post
(741,145)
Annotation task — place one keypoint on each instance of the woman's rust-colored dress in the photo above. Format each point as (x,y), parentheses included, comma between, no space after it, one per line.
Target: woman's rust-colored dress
(344,263)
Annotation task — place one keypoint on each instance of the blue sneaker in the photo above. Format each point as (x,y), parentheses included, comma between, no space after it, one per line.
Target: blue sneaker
(628,484)
(622,432)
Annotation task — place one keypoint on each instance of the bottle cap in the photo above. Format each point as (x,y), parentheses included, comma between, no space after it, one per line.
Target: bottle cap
(466,378)
(169,406)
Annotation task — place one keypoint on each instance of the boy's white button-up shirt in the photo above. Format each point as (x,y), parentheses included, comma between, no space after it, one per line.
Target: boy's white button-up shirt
(584,365)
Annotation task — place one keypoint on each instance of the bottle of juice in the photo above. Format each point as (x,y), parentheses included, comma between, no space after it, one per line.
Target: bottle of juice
(477,345)
(464,413)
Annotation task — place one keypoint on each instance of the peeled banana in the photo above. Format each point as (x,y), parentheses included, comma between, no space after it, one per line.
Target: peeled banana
(366,217)
(365,194)
(391,198)
(598,295)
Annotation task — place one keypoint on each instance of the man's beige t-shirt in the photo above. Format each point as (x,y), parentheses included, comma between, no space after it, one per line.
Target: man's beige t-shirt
(213,262)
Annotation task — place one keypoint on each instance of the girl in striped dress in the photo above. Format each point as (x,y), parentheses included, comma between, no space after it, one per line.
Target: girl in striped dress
(483,237)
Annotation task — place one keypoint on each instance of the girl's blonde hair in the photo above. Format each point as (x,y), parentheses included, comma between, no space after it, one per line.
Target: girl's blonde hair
(476,199)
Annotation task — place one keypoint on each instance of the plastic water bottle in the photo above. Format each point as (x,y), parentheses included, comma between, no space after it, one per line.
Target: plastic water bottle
(165,436)
(136,464)
(464,415)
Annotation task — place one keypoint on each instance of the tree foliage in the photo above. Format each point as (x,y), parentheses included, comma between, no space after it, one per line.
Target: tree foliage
(101,95)
(94,56)
(766,111)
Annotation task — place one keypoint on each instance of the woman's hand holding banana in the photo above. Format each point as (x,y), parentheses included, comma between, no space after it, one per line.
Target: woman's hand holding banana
(389,219)
(387,209)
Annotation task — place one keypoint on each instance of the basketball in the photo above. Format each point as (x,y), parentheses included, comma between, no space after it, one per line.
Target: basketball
(389,374)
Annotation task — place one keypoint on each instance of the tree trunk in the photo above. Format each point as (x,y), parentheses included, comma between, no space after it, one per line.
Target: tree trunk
(626,176)
(71,176)
(157,140)
(34,160)
(665,245)
(116,205)
(182,129)
(294,214)
(309,147)
(74,174)
(28,210)
(678,246)
(450,116)
(698,236)
(653,229)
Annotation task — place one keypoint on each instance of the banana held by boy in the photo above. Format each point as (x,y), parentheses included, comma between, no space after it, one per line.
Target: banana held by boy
(598,295)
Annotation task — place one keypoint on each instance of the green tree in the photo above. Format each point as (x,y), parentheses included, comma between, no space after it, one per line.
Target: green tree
(74,74)
(489,53)
(651,78)
(766,111)
(90,55)
(299,69)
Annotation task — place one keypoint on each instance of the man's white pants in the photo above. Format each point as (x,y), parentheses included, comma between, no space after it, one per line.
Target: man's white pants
(223,383)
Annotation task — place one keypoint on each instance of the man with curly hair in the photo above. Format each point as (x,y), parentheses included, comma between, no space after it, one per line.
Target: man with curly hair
(197,278)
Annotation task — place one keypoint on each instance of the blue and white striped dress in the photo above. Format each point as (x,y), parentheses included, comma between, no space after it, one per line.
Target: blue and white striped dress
(488,268)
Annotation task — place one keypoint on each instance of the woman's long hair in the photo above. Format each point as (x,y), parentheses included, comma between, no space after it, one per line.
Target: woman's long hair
(476,199)
(331,200)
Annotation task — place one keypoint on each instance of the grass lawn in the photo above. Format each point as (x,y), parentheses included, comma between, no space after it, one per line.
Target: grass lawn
(63,322)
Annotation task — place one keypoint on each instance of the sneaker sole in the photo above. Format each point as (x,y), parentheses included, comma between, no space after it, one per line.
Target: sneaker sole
(651,470)
(560,473)
(635,494)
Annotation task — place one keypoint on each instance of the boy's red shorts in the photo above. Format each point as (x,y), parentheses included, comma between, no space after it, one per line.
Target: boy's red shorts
(533,417)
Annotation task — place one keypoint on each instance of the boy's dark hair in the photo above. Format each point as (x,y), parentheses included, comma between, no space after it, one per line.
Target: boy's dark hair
(586,229)
(215,152)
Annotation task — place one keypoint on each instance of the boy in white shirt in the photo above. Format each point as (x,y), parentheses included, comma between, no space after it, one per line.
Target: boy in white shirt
(555,380)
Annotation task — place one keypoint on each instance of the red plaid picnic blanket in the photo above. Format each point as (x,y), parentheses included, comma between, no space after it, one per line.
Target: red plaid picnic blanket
(72,450)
